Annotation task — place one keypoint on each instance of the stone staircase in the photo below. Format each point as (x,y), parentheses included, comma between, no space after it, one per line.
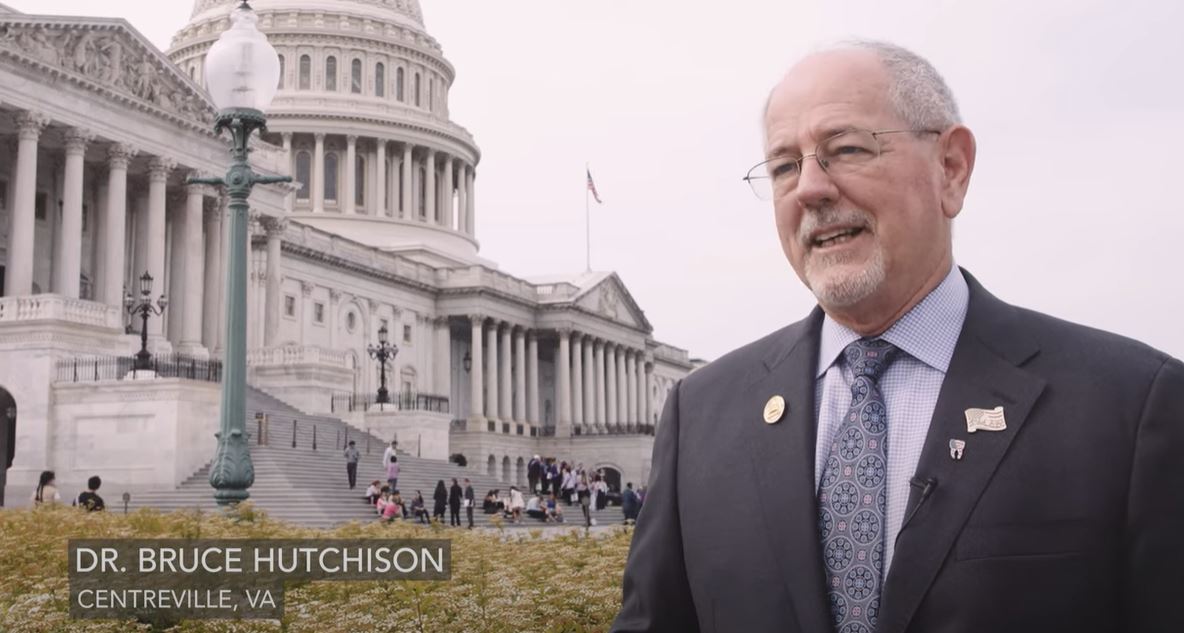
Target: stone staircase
(309,487)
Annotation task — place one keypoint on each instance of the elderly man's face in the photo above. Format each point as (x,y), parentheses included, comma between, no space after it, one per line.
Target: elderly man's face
(890,214)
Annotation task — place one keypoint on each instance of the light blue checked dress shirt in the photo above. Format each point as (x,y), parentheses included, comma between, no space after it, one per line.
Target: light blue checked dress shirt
(926,336)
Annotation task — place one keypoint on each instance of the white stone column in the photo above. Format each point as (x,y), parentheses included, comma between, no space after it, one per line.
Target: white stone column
(380,183)
(442,361)
(290,199)
(447,205)
(470,201)
(491,379)
(622,387)
(408,211)
(649,389)
(462,198)
(505,372)
(318,174)
(629,393)
(601,386)
(519,375)
(274,228)
(577,379)
(429,186)
(563,385)
(213,282)
(639,388)
(192,266)
(477,374)
(158,173)
(351,175)
(69,266)
(18,272)
(589,382)
(610,381)
(532,379)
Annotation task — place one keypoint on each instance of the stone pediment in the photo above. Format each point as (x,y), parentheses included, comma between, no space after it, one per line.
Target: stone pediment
(610,299)
(110,57)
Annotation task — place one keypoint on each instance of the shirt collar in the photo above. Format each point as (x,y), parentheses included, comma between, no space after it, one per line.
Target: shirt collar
(927,332)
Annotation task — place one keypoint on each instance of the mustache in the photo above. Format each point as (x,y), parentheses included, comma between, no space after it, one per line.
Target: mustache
(815,220)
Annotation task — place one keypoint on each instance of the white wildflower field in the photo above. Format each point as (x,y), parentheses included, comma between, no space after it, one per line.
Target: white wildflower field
(514,580)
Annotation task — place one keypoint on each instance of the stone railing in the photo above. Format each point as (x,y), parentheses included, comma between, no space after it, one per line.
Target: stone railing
(296,101)
(556,291)
(59,308)
(295,355)
(663,351)
(479,276)
(358,254)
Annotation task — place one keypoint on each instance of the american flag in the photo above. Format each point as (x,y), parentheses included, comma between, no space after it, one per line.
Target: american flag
(592,187)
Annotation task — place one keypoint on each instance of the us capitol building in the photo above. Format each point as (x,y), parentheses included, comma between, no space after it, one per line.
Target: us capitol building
(99,131)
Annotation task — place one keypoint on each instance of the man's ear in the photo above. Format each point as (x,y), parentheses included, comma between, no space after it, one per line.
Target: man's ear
(957,147)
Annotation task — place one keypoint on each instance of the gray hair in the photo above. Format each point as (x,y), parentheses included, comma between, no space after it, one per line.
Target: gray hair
(916,90)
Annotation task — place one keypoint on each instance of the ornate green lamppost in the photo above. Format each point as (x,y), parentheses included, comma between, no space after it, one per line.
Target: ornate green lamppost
(242,75)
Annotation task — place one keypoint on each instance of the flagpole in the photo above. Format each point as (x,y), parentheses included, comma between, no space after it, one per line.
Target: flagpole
(587,220)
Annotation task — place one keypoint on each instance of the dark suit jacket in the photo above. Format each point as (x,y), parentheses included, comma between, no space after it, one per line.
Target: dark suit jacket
(1071,519)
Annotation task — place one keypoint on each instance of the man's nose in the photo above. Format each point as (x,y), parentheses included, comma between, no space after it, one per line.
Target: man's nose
(815,186)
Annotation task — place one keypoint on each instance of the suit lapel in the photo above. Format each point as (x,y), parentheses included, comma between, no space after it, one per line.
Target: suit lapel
(985,372)
(783,465)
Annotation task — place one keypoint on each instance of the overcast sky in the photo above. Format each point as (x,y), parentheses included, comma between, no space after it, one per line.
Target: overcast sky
(1074,207)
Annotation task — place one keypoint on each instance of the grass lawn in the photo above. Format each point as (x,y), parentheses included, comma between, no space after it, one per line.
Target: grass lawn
(514,580)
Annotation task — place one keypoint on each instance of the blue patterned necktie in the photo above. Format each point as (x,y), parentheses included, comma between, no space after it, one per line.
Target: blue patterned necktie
(852,497)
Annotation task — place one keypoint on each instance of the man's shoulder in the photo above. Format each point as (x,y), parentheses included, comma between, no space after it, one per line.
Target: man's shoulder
(736,366)
(1088,346)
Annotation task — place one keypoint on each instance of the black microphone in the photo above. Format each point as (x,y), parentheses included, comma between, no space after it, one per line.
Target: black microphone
(927,486)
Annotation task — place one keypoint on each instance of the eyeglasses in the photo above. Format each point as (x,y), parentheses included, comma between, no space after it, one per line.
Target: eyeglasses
(844,153)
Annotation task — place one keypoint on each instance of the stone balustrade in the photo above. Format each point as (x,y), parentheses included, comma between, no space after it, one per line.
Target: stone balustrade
(59,308)
(296,355)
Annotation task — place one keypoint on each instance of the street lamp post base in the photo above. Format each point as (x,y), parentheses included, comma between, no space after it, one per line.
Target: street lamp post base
(232,472)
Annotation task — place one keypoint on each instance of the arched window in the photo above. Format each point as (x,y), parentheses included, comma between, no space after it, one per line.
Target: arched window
(356,77)
(417,90)
(399,84)
(305,72)
(331,73)
(380,80)
(359,181)
(330,176)
(280,85)
(432,95)
(303,173)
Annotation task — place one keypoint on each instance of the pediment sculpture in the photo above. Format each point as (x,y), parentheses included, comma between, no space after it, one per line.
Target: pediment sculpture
(111,59)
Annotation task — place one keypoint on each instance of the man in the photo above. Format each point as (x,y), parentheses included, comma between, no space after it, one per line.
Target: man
(470,501)
(90,499)
(629,504)
(351,463)
(915,455)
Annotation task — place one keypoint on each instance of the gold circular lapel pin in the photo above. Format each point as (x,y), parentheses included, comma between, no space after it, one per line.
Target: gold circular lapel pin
(774,409)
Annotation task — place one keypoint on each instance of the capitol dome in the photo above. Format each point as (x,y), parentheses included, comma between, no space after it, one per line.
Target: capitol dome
(362,115)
